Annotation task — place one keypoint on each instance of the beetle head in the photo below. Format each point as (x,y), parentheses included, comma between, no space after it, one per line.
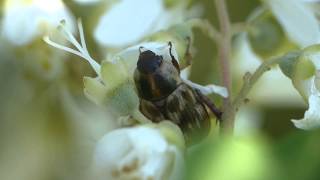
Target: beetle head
(148,61)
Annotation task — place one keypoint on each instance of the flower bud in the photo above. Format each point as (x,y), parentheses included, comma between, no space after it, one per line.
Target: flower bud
(140,152)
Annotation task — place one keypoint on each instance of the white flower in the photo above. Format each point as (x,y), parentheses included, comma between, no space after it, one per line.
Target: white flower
(311,119)
(114,86)
(127,21)
(299,22)
(24,21)
(303,68)
(137,153)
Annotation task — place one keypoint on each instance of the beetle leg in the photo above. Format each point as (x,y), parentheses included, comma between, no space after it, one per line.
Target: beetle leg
(188,55)
(173,59)
(210,104)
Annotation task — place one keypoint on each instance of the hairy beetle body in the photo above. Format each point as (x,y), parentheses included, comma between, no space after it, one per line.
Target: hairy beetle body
(164,96)
(184,108)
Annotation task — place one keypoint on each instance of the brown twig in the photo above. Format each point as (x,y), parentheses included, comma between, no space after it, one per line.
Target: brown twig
(224,60)
(249,81)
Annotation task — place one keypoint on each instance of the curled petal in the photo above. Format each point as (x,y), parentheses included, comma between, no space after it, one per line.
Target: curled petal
(208,89)
(311,119)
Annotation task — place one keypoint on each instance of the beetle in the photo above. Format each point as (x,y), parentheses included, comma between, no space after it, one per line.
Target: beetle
(164,96)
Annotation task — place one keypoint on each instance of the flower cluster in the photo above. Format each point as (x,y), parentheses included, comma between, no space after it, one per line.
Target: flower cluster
(143,151)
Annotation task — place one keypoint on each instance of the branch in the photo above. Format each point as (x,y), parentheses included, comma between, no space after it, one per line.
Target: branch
(224,61)
(206,27)
(228,116)
(250,80)
(225,46)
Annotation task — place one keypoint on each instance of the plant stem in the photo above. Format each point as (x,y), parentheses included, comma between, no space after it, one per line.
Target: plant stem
(249,81)
(231,107)
(223,60)
(225,46)
(207,28)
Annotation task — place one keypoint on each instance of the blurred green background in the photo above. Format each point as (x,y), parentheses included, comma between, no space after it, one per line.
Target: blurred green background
(48,128)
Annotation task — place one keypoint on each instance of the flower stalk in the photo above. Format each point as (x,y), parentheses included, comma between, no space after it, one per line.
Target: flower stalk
(248,82)
(230,107)
(224,61)
(225,45)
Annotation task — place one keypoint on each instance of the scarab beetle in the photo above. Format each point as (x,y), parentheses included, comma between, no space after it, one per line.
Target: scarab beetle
(164,96)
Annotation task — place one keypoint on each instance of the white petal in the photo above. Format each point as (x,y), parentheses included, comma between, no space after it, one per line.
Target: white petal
(138,152)
(128,21)
(177,171)
(208,89)
(130,55)
(311,119)
(298,21)
(24,21)
(108,152)
(184,74)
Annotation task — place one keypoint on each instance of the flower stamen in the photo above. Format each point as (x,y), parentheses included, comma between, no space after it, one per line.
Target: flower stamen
(81,51)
